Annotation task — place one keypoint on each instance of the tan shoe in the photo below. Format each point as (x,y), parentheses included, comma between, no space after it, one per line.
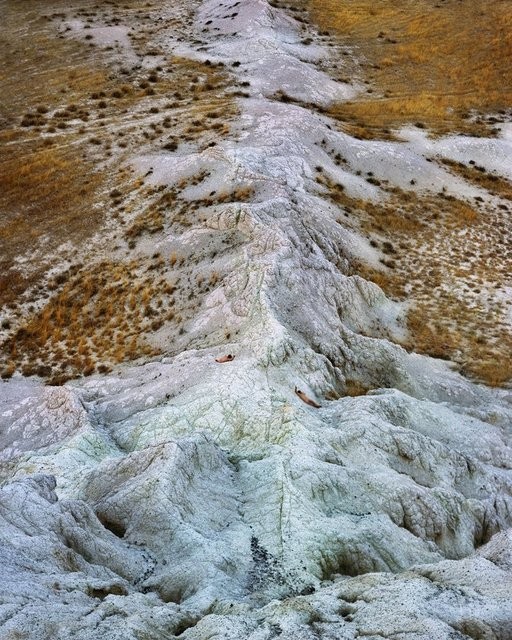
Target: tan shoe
(227,358)
(305,399)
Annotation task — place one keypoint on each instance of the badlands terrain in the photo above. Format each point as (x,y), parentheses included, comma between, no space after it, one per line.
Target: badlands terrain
(317,193)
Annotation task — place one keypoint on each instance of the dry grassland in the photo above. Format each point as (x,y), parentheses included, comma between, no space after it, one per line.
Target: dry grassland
(47,189)
(443,65)
(70,115)
(96,319)
(429,62)
(450,262)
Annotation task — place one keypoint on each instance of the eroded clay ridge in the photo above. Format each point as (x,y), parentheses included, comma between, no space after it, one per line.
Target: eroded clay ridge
(197,495)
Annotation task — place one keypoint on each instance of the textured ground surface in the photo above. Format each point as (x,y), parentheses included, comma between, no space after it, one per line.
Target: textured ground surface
(176,496)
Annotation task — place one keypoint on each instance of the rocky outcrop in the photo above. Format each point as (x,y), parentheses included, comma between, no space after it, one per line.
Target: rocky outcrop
(67,574)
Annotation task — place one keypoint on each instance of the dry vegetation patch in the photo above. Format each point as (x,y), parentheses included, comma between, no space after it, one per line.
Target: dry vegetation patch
(442,65)
(451,261)
(45,193)
(479,176)
(435,63)
(98,318)
(72,112)
(48,185)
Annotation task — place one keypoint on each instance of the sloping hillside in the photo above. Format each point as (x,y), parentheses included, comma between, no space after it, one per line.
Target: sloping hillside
(255,331)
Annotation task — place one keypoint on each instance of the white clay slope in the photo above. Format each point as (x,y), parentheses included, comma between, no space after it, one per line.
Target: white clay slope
(188,498)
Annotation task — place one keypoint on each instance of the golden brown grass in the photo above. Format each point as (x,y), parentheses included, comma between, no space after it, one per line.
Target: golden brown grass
(443,66)
(150,221)
(47,188)
(47,185)
(453,330)
(97,319)
(63,114)
(428,62)
(476,174)
(39,69)
(44,192)
(449,261)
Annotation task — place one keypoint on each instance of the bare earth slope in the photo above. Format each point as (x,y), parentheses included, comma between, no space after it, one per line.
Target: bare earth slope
(226,210)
